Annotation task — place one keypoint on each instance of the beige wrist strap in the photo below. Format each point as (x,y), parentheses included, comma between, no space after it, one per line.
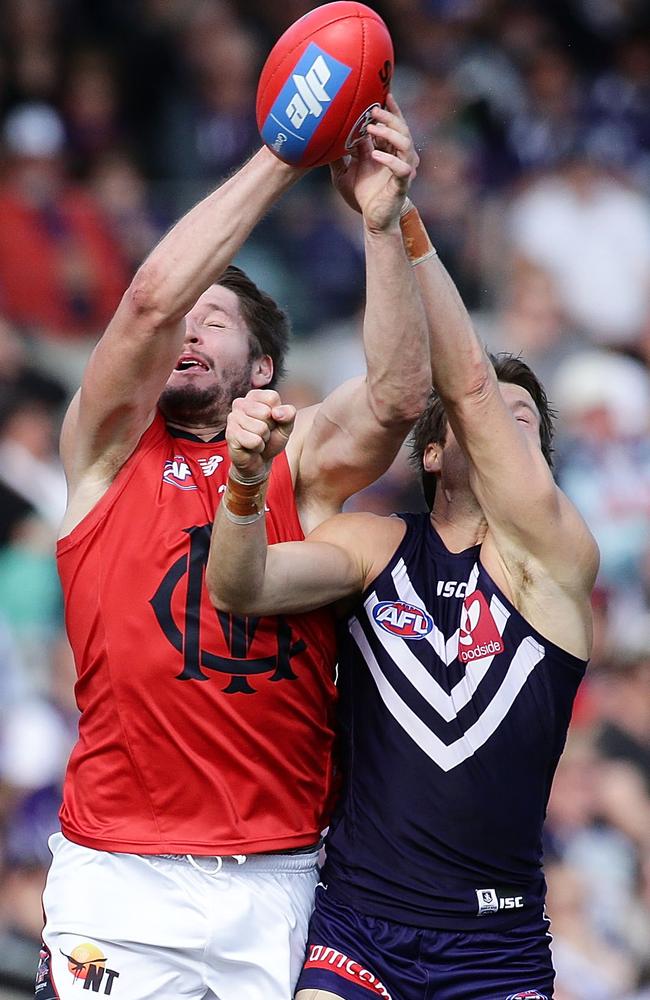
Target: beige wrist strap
(417,244)
(243,502)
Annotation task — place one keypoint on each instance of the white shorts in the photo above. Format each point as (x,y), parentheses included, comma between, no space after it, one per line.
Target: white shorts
(133,926)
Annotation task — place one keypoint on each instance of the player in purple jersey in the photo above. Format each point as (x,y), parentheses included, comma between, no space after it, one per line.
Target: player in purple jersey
(465,634)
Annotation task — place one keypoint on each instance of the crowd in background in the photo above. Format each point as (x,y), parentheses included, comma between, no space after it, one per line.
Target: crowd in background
(532,120)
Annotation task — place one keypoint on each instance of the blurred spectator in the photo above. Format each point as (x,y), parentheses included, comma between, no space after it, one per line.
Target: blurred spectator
(546,128)
(31,30)
(35,741)
(60,272)
(208,128)
(446,193)
(530,322)
(13,685)
(587,967)
(34,491)
(619,107)
(592,233)
(28,462)
(91,108)
(19,376)
(623,697)
(322,249)
(123,197)
(36,738)
(604,465)
(333,354)
(597,827)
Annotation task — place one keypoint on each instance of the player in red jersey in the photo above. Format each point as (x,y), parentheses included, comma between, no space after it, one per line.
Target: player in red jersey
(201,780)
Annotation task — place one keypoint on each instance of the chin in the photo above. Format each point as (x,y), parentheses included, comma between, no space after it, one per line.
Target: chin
(191,404)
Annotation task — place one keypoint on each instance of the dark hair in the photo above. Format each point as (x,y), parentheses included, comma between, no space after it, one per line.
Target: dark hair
(432,424)
(267,323)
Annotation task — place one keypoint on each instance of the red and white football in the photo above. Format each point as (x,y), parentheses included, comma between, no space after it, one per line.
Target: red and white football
(321,80)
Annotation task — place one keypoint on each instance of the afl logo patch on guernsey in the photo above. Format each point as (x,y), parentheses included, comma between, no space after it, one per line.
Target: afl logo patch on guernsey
(405,620)
(527,995)
(178,473)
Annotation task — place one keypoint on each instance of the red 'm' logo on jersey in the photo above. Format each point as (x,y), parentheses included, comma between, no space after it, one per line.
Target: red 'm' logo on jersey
(479,635)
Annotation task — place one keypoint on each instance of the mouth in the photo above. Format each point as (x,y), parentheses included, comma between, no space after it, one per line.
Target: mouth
(191,362)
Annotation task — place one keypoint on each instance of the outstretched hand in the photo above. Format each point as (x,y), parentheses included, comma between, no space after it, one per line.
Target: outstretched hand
(376,177)
(258,428)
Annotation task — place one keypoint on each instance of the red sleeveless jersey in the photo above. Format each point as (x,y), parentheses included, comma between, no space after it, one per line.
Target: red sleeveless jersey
(201,732)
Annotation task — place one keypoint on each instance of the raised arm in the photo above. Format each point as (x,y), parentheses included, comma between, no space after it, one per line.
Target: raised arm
(352,437)
(247,576)
(137,353)
(499,431)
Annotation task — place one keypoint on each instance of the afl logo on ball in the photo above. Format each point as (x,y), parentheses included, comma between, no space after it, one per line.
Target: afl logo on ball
(405,620)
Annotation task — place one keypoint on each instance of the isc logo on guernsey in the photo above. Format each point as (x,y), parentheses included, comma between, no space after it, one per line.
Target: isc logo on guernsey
(405,620)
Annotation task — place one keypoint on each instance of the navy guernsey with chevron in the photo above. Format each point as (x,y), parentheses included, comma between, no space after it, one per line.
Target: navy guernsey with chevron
(454,714)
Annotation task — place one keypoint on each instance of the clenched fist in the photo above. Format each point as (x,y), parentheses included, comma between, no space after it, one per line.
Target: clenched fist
(258,428)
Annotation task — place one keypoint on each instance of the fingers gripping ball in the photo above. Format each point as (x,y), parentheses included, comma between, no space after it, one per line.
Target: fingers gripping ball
(320,81)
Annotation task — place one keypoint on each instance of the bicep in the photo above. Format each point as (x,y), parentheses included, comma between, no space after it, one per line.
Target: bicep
(121,385)
(514,484)
(301,576)
(344,445)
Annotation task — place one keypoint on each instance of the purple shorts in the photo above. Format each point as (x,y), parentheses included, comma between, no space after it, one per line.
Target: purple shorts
(357,957)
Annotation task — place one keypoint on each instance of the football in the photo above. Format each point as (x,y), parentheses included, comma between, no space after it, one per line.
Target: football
(320,81)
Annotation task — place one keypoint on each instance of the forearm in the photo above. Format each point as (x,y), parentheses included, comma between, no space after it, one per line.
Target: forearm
(395,332)
(245,575)
(236,567)
(458,360)
(200,246)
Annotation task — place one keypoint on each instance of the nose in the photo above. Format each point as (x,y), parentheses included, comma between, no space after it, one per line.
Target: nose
(192,335)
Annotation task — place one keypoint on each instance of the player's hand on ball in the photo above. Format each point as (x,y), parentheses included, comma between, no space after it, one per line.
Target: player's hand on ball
(376,179)
(258,428)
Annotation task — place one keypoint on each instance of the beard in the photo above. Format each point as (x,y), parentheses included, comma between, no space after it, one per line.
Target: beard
(193,406)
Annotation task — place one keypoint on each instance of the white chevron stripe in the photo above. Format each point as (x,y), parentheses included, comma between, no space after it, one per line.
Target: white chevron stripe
(447,705)
(524,661)
(407,594)
(447,650)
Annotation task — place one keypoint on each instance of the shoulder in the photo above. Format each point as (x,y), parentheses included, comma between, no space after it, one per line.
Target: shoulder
(369,539)
(350,525)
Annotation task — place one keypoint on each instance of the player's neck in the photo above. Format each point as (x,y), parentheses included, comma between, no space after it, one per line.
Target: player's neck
(458,519)
(203,431)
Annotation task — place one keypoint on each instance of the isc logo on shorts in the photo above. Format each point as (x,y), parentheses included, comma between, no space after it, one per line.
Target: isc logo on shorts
(489,901)
(405,620)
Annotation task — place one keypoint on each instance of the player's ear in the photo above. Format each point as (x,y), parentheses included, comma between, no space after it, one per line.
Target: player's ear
(262,372)
(431,457)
